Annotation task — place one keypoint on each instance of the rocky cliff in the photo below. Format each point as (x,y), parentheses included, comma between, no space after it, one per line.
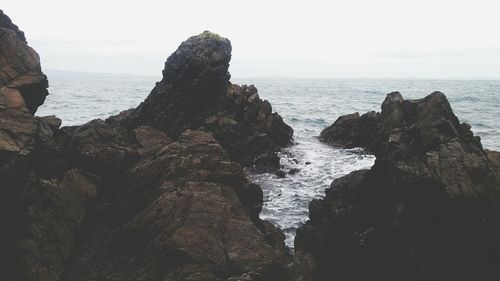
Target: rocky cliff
(155,193)
(427,210)
(20,65)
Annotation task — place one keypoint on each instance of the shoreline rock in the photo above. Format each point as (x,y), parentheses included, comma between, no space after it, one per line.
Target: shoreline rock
(153,193)
(20,65)
(196,93)
(427,210)
(353,130)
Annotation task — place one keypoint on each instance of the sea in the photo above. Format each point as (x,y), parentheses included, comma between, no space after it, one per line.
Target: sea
(307,105)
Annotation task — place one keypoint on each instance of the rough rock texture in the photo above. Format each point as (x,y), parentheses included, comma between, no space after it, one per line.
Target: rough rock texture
(20,65)
(187,213)
(494,157)
(115,200)
(427,210)
(352,130)
(195,93)
(22,90)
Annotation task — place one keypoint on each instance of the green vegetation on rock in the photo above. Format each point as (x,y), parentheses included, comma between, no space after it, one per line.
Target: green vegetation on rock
(211,35)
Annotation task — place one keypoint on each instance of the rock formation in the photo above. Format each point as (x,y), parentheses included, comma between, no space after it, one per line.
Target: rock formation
(22,90)
(20,65)
(427,210)
(353,130)
(152,194)
(195,93)
(159,192)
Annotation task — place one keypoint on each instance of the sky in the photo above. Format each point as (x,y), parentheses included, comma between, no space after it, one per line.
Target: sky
(438,39)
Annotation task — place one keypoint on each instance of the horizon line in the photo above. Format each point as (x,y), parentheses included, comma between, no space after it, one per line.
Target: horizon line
(278,77)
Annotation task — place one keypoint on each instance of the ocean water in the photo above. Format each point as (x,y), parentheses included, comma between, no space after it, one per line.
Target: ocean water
(306,105)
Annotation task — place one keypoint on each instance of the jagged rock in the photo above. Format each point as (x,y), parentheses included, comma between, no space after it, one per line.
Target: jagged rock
(494,157)
(427,210)
(424,137)
(352,130)
(17,125)
(55,210)
(188,212)
(123,200)
(20,65)
(52,121)
(166,209)
(20,135)
(6,22)
(195,93)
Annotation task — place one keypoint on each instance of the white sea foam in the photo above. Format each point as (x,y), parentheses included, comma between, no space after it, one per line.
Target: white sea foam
(286,199)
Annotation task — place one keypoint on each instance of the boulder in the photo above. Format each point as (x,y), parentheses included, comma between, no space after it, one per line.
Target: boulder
(353,130)
(427,210)
(195,93)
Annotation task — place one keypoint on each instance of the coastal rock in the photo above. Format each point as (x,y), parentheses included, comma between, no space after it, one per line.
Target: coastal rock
(352,130)
(427,210)
(17,125)
(20,190)
(195,93)
(152,200)
(188,213)
(494,157)
(20,65)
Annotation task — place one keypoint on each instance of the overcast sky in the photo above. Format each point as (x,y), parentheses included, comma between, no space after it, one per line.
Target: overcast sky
(308,39)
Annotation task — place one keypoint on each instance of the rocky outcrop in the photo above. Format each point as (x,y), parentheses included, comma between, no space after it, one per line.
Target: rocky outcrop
(21,191)
(195,93)
(22,90)
(143,196)
(353,130)
(188,213)
(427,210)
(20,65)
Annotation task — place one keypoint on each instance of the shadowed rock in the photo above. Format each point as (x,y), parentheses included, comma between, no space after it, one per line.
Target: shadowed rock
(195,93)
(22,90)
(352,130)
(123,200)
(20,65)
(427,210)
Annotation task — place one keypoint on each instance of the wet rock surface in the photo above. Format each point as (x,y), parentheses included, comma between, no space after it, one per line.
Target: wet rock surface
(427,210)
(152,194)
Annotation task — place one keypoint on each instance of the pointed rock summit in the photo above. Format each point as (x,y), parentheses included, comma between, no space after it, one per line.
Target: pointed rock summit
(195,76)
(195,93)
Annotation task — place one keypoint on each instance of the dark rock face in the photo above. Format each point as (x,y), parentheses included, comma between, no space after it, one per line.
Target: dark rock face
(119,200)
(188,213)
(195,93)
(20,65)
(427,210)
(352,130)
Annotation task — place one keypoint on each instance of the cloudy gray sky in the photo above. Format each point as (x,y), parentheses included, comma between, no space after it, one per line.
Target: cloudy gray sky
(308,39)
